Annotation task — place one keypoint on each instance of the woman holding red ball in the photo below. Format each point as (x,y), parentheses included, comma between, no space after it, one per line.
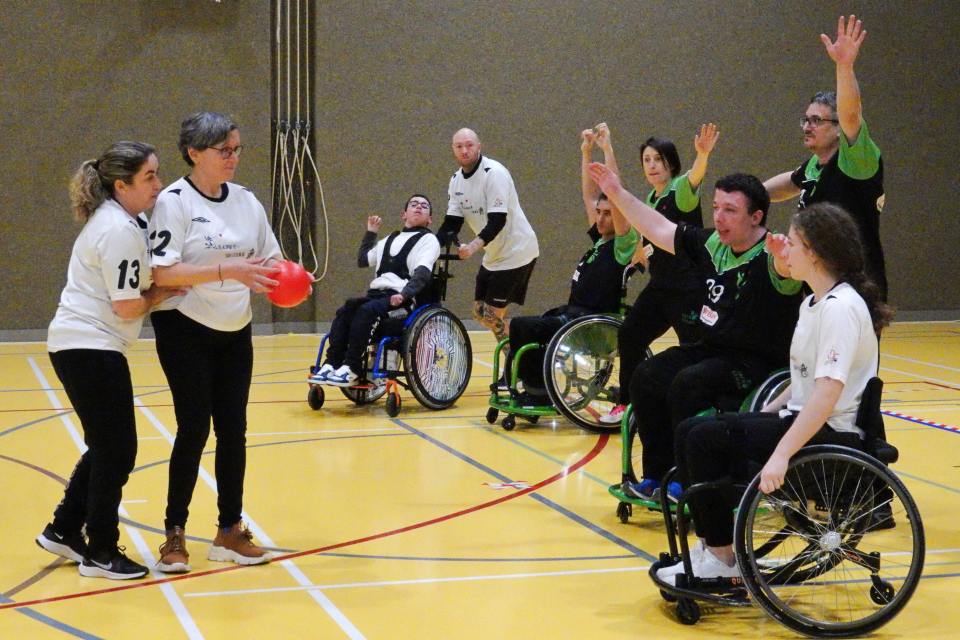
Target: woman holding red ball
(213,237)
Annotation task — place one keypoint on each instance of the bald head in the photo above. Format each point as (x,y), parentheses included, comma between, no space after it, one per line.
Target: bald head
(466,148)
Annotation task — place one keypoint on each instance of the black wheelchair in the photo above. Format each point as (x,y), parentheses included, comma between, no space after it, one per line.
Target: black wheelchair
(580,369)
(812,554)
(426,350)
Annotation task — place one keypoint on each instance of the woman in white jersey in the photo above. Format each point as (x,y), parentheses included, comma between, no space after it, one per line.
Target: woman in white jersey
(833,354)
(213,236)
(101,311)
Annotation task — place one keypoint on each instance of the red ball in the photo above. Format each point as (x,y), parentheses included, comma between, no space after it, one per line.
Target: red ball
(294,285)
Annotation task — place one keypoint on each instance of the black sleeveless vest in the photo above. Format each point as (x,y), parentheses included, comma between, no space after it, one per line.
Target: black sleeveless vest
(398,264)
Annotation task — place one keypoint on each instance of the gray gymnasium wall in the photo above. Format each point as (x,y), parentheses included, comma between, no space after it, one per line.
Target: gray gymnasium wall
(395,79)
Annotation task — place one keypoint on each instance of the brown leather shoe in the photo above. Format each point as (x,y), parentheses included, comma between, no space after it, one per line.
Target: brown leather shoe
(173,553)
(236,545)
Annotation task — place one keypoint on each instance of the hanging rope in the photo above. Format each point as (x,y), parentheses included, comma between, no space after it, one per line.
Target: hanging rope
(296,183)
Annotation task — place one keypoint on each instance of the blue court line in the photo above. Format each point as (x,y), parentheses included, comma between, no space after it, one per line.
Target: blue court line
(545,501)
(364,556)
(56,624)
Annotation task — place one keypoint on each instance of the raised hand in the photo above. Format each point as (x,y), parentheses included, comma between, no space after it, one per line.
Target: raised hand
(373,223)
(705,139)
(587,139)
(607,180)
(603,135)
(850,35)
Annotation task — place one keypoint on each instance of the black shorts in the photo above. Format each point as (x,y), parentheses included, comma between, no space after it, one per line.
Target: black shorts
(500,288)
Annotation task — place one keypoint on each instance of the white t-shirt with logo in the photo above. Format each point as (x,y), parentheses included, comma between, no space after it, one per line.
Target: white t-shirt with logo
(189,227)
(422,254)
(109,262)
(834,339)
(490,189)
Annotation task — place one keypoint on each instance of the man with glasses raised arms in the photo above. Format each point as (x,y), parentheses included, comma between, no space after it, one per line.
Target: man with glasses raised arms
(846,168)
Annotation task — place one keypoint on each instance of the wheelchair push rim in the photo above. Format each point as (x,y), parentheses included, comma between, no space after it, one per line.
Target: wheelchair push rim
(813,557)
(438,358)
(581,369)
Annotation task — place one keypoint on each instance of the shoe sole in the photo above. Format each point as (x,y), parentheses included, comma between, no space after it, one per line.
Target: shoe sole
(97,572)
(222,554)
(340,383)
(58,549)
(175,567)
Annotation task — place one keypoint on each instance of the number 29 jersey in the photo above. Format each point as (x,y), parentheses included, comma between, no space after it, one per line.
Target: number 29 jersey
(110,262)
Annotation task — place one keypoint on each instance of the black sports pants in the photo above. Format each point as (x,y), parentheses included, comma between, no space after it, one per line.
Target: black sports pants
(209,374)
(97,382)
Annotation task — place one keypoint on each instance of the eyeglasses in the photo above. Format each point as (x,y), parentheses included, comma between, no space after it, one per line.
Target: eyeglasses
(226,152)
(815,121)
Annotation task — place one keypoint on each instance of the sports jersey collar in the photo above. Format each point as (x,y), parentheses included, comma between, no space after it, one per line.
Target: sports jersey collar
(477,166)
(723,257)
(224,190)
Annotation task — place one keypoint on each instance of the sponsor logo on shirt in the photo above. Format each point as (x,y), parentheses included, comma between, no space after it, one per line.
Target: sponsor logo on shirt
(498,202)
(832,356)
(708,316)
(199,219)
(803,371)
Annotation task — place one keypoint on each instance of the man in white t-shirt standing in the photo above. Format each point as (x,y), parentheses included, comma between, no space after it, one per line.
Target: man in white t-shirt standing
(482,193)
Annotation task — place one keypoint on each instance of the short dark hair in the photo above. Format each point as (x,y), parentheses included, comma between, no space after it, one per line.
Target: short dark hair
(203,130)
(418,195)
(667,151)
(826,98)
(753,190)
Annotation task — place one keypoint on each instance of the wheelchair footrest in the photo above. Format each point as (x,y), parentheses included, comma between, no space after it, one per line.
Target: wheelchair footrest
(616,490)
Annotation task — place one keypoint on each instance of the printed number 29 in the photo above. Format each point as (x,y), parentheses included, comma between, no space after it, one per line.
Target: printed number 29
(134,280)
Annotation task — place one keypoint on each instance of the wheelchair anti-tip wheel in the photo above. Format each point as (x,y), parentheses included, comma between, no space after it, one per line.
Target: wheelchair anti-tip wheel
(811,555)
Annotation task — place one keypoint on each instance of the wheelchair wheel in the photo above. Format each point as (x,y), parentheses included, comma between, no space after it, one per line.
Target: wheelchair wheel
(315,397)
(768,390)
(581,371)
(812,558)
(437,357)
(362,396)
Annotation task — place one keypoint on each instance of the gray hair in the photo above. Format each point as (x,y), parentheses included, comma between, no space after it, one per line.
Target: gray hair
(826,98)
(203,130)
(94,181)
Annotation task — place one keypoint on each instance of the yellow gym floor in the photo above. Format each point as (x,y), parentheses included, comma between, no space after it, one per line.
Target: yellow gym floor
(430,525)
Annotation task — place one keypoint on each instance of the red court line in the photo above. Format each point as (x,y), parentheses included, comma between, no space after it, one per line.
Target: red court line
(597,448)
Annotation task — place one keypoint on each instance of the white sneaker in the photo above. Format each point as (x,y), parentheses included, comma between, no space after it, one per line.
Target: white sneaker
(705,566)
(322,373)
(696,552)
(615,415)
(342,377)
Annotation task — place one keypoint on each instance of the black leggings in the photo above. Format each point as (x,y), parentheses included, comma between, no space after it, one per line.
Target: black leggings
(209,374)
(735,447)
(679,383)
(540,330)
(656,310)
(98,385)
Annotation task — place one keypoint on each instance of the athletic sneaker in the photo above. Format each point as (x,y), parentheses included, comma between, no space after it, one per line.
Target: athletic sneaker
(236,545)
(696,552)
(71,546)
(111,564)
(706,565)
(673,493)
(531,400)
(342,377)
(322,373)
(615,415)
(173,553)
(646,489)
(882,518)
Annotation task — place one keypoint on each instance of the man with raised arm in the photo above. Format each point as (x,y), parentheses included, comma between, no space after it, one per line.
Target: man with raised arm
(846,167)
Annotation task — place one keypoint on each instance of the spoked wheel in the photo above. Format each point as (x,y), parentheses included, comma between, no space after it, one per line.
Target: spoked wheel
(768,390)
(581,371)
(361,396)
(438,358)
(812,557)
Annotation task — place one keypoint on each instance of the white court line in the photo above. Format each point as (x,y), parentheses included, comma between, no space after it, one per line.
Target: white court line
(328,606)
(179,609)
(919,377)
(391,583)
(488,365)
(922,362)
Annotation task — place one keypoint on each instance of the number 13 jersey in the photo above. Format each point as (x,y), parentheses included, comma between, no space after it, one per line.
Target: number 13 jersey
(110,261)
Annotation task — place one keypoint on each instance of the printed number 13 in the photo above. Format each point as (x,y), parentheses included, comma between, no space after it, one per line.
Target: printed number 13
(134,281)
